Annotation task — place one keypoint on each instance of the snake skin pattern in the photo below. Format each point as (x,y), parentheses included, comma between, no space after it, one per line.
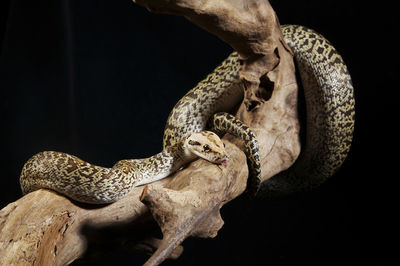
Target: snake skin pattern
(330,123)
(223,123)
(330,112)
(330,108)
(218,92)
(85,182)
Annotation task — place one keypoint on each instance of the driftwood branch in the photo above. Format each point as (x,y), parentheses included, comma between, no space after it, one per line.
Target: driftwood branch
(44,228)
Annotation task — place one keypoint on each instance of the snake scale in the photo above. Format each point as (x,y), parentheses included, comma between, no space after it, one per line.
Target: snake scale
(329,128)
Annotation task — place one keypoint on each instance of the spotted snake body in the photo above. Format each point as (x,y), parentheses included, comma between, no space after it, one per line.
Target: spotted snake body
(329,128)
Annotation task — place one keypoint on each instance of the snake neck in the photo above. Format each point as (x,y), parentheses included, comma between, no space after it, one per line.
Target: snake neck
(161,164)
(220,91)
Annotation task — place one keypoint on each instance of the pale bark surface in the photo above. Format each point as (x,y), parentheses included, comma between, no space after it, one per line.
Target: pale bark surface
(44,228)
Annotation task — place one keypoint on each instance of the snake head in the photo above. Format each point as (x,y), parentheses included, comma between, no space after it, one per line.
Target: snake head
(207,145)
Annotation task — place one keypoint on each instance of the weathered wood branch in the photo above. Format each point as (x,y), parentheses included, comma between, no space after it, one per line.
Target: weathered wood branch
(44,228)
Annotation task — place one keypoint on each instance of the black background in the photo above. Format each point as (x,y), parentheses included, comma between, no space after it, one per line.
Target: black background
(98,78)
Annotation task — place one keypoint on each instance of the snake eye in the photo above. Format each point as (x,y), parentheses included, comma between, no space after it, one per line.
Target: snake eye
(206,147)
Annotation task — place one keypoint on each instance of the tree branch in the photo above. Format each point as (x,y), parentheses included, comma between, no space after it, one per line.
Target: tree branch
(46,228)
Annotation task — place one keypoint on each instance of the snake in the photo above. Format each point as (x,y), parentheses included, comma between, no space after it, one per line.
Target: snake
(201,117)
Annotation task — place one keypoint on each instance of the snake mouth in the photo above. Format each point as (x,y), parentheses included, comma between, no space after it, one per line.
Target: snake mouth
(223,161)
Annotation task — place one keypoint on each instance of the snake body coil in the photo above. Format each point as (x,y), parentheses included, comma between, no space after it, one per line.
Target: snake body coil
(330,122)
(330,109)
